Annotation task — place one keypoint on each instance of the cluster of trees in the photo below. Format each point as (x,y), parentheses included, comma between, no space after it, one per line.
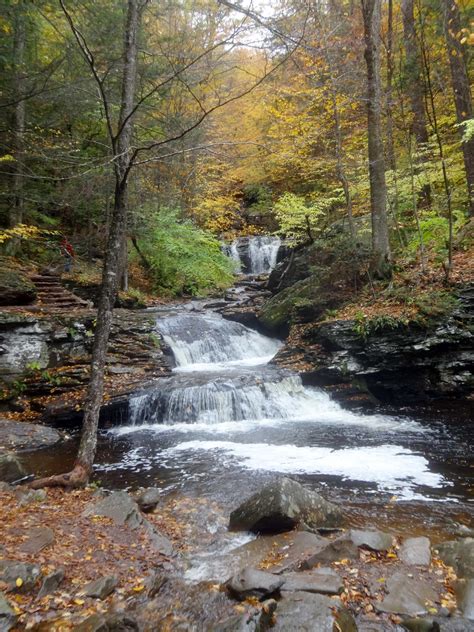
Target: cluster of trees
(145,124)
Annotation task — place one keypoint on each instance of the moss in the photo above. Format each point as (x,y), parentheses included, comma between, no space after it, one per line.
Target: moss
(15,287)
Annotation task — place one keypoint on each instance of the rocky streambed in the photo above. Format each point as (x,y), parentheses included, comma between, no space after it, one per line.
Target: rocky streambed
(118,561)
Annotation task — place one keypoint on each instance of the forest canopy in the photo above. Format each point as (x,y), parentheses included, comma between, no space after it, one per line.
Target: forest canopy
(241,119)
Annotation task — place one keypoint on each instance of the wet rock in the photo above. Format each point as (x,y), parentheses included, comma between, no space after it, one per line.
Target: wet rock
(321,580)
(454,624)
(298,553)
(19,576)
(28,496)
(415,551)
(11,468)
(460,555)
(50,583)
(154,583)
(420,625)
(38,539)
(21,435)
(120,507)
(108,623)
(100,588)
(255,620)
(407,596)
(149,498)
(7,615)
(332,551)
(307,612)
(375,540)
(159,542)
(283,505)
(465,597)
(251,582)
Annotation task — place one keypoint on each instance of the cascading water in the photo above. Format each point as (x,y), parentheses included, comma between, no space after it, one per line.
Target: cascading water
(227,417)
(254,255)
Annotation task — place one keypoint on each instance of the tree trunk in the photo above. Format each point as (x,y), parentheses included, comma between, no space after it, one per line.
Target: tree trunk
(413,73)
(121,147)
(461,87)
(19,115)
(381,255)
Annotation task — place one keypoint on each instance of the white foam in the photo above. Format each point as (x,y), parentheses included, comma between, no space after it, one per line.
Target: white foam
(390,467)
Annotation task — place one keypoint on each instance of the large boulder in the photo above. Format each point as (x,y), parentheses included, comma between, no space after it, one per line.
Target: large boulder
(15,287)
(11,468)
(21,435)
(283,505)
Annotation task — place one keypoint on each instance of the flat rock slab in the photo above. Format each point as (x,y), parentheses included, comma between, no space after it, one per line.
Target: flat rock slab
(12,571)
(123,510)
(21,435)
(51,582)
(375,540)
(460,555)
(415,552)
(108,623)
(465,597)
(307,612)
(324,581)
(294,554)
(281,506)
(408,596)
(38,539)
(251,582)
(7,615)
(332,551)
(100,588)
(120,507)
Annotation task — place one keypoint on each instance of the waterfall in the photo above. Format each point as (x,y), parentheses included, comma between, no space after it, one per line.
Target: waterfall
(199,339)
(263,254)
(272,395)
(254,255)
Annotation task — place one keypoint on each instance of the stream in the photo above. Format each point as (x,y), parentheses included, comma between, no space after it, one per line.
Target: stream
(227,420)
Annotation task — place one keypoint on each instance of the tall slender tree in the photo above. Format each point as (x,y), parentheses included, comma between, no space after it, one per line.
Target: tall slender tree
(381,253)
(460,84)
(413,72)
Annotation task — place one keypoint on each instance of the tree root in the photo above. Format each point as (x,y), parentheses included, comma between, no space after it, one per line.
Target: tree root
(77,477)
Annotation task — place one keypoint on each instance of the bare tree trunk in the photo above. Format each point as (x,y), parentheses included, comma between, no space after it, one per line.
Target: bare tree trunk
(381,254)
(461,87)
(19,115)
(121,146)
(341,173)
(413,73)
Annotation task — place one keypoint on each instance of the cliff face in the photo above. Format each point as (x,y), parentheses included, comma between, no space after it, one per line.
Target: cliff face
(405,364)
(396,361)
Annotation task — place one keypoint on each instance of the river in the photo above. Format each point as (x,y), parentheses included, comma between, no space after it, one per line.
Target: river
(227,420)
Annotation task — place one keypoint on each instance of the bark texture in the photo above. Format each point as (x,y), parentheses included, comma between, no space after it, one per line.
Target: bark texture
(381,254)
(19,115)
(461,87)
(413,72)
(121,145)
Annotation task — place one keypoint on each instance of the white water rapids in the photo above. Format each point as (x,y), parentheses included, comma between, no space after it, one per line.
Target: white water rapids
(226,405)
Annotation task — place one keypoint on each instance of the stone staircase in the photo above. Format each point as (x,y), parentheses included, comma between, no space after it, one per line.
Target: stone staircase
(52,295)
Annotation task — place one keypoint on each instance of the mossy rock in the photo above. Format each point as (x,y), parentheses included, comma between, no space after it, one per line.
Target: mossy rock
(15,287)
(302,302)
